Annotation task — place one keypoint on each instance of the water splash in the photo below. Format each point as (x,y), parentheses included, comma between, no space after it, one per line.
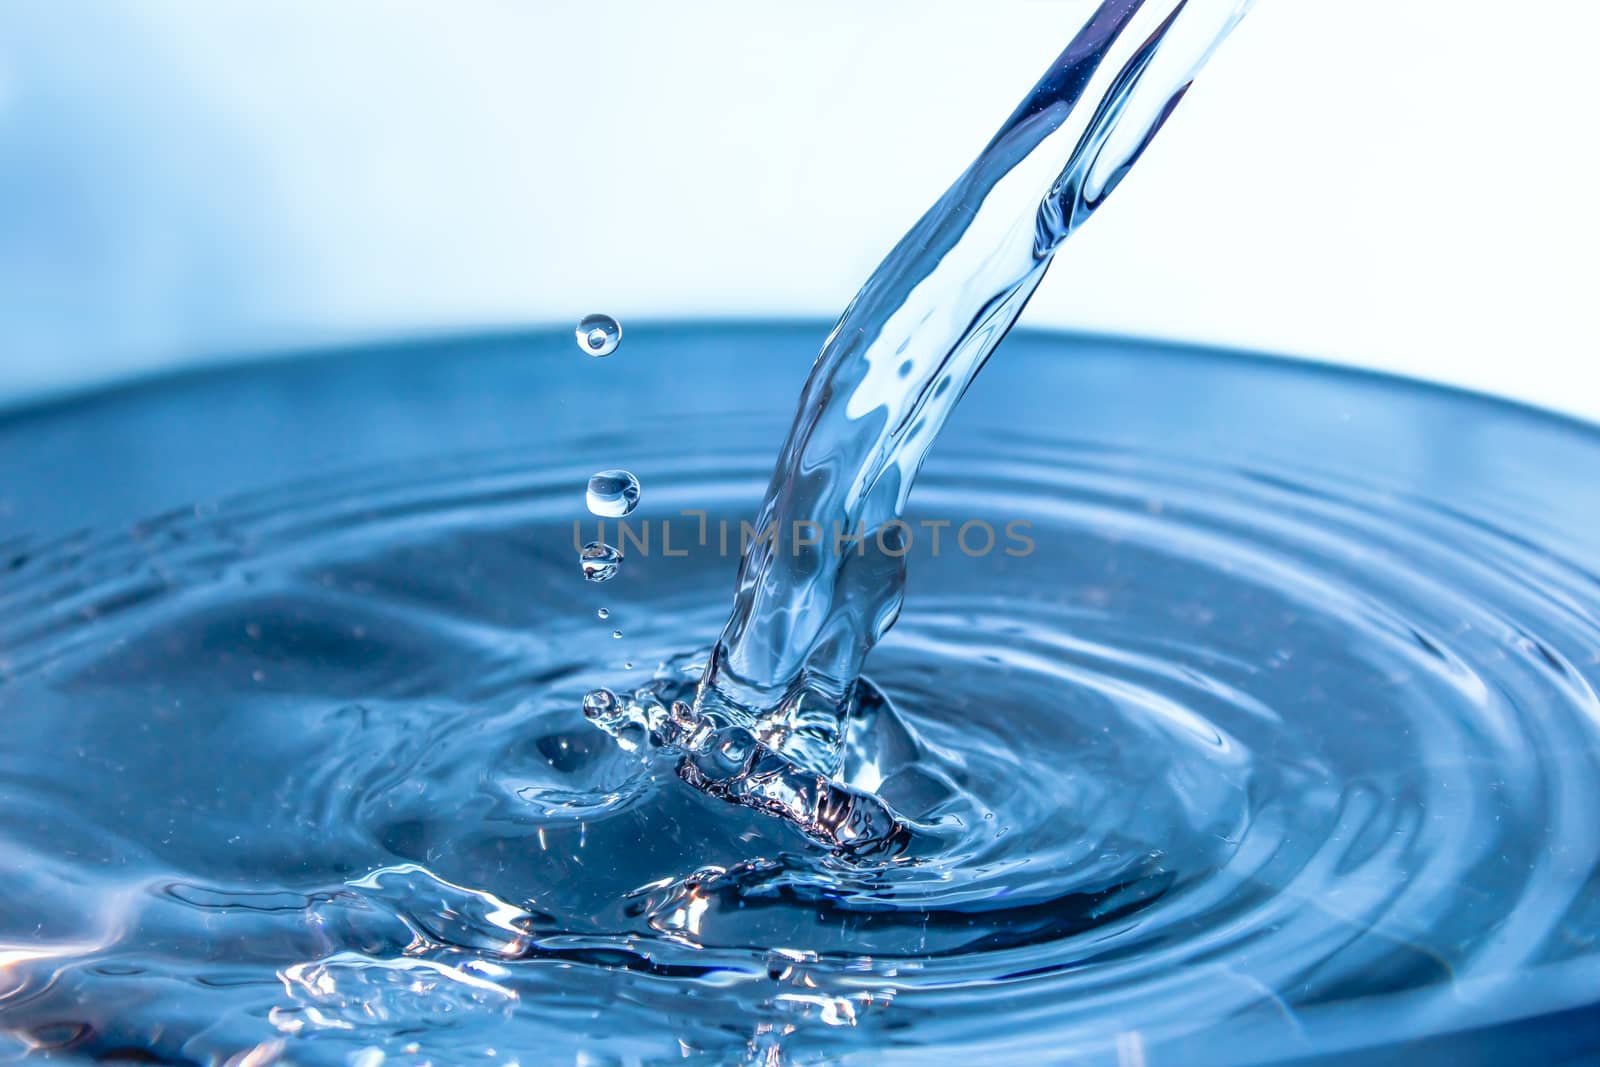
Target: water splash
(806,615)
(735,764)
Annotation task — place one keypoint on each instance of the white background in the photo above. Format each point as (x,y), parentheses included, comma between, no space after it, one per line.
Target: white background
(1406,184)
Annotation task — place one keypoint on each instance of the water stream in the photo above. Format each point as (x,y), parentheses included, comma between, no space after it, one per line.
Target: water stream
(779,720)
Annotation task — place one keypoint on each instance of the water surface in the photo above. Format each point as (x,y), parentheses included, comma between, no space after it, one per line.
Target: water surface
(1280,744)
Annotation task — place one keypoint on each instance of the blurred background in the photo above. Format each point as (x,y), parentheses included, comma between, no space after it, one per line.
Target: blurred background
(1403,184)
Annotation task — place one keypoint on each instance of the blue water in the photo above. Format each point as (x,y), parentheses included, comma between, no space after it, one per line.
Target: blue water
(1242,713)
(1280,745)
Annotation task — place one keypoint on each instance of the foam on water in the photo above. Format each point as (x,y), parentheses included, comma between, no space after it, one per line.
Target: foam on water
(1281,742)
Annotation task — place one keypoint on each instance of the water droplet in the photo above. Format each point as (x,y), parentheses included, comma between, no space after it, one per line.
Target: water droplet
(599,335)
(604,613)
(613,494)
(600,561)
(601,706)
(616,635)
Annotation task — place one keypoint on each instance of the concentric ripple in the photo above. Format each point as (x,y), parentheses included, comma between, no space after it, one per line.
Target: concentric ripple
(1281,741)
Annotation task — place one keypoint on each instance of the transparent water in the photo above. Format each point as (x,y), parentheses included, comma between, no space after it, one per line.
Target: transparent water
(599,561)
(612,494)
(598,335)
(780,720)
(1281,744)
(906,349)
(1247,742)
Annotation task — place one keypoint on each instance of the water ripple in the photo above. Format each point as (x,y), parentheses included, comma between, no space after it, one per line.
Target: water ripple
(1264,741)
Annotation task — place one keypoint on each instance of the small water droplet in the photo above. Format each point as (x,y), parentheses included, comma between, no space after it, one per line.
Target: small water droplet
(604,613)
(616,635)
(613,494)
(600,561)
(599,335)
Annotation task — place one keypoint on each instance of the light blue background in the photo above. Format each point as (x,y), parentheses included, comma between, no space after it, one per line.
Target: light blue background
(1397,183)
